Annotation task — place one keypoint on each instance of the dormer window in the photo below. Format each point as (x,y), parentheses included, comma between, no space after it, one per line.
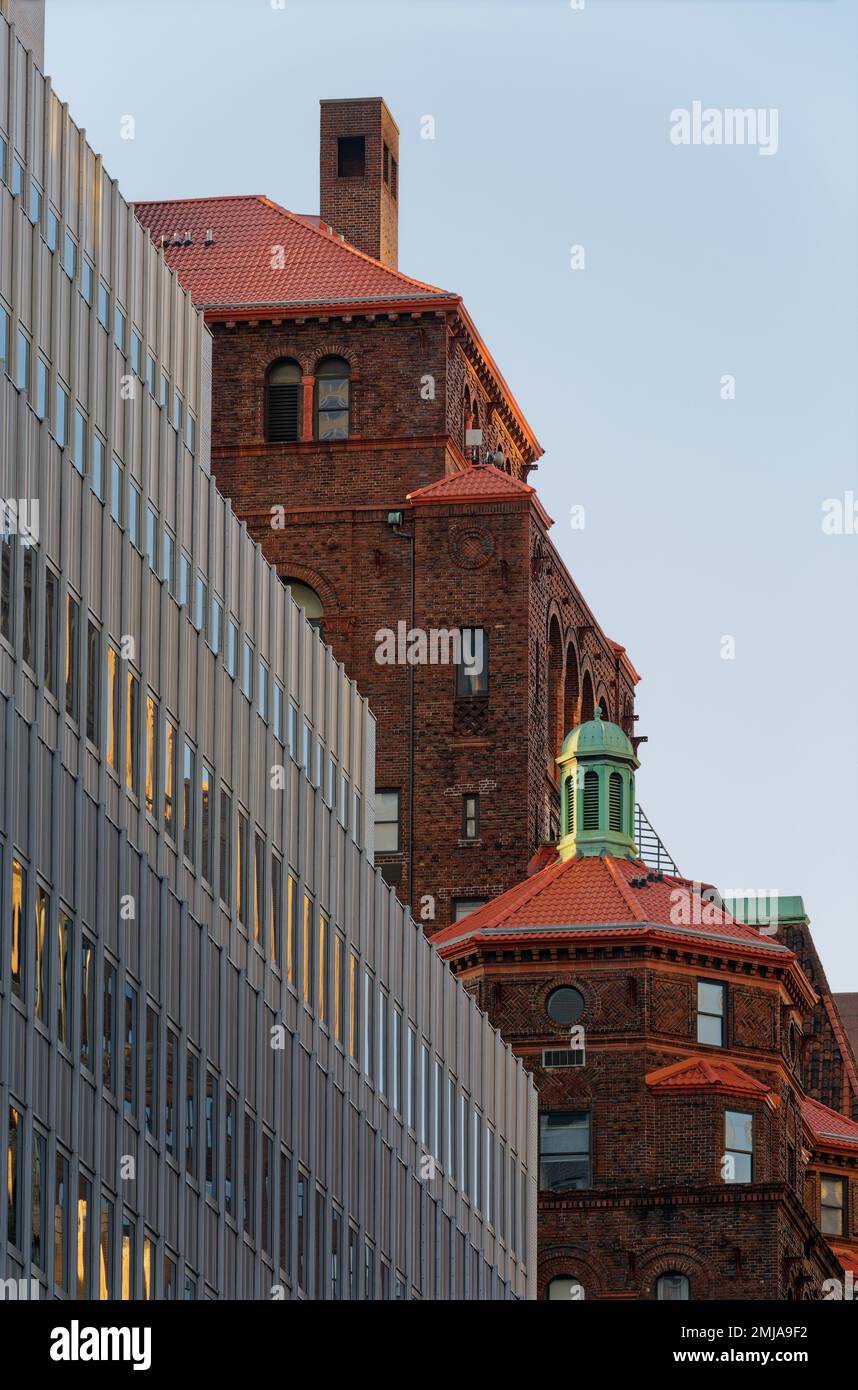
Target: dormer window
(283,403)
(332,399)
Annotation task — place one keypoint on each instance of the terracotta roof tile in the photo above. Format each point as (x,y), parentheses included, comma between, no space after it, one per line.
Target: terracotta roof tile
(596,892)
(699,1073)
(235,272)
(825,1123)
(479,481)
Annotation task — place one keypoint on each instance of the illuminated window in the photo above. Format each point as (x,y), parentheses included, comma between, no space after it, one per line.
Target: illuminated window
(833,1205)
(170,742)
(17,941)
(64,978)
(132,746)
(307,951)
(150,782)
(41,982)
(72,638)
(189,779)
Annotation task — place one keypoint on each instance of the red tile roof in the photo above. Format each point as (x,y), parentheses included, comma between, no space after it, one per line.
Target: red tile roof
(595,894)
(827,1124)
(235,272)
(477,483)
(480,480)
(699,1073)
(847,1257)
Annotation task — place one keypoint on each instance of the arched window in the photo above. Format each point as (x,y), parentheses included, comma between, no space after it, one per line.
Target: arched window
(587,700)
(283,403)
(554,690)
(332,399)
(309,600)
(615,802)
(565,1287)
(590,818)
(673,1287)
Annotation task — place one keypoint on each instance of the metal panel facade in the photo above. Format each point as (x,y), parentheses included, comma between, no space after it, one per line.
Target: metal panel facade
(231,1065)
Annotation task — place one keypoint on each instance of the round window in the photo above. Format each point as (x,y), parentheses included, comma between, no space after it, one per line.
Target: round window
(565,1005)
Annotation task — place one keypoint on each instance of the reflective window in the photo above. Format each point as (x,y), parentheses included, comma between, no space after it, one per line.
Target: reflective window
(564,1150)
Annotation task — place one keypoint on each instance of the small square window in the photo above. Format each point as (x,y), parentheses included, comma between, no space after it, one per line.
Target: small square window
(17,177)
(136,353)
(150,373)
(119,329)
(177,413)
(463,906)
(35,204)
(165,389)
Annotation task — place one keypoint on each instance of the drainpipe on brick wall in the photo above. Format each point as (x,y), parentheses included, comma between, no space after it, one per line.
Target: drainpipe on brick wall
(396,528)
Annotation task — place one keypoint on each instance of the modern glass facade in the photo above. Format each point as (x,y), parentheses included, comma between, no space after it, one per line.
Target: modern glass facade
(231,1066)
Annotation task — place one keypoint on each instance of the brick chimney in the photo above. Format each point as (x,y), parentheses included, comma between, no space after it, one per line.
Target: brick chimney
(28,16)
(359,175)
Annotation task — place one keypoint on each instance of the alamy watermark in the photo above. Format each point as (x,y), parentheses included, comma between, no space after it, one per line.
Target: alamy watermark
(434,646)
(730,125)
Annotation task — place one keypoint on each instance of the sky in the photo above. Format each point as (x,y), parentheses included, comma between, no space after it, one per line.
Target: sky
(690,371)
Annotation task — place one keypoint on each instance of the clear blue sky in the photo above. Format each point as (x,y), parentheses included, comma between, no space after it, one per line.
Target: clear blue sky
(703,516)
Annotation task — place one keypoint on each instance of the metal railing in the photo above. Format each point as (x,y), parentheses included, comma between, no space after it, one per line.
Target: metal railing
(650,847)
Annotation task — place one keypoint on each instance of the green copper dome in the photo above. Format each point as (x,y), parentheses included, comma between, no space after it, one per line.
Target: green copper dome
(597,791)
(597,738)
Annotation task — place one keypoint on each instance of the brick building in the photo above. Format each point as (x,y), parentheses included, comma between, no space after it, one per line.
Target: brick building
(681,1155)
(367,438)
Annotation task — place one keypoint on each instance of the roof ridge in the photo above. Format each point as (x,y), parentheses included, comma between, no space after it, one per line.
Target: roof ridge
(337,240)
(625,892)
(482,470)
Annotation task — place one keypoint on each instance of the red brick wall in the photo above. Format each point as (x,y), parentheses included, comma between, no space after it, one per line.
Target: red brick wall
(473,568)
(657,1202)
(363,210)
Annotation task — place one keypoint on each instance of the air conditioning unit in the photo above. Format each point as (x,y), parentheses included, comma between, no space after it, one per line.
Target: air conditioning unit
(555,1057)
